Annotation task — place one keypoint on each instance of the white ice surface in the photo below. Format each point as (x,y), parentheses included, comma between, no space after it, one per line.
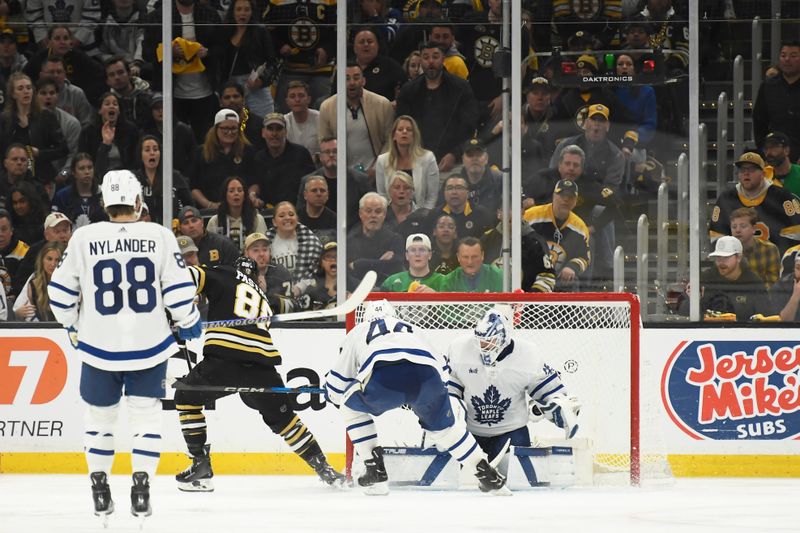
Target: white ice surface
(62,503)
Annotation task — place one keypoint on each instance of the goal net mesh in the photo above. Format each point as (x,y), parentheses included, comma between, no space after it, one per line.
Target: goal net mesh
(593,344)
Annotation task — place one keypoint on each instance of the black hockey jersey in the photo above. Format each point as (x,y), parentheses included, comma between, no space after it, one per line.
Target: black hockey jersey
(778,215)
(233,295)
(303,26)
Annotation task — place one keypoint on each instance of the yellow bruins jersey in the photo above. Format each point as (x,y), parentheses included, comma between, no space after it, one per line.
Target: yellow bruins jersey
(778,215)
(233,295)
(568,242)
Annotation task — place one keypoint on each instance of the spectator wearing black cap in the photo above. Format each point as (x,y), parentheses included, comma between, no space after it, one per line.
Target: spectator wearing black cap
(323,292)
(280,165)
(224,153)
(778,209)
(777,148)
(212,249)
(777,105)
(443,105)
(183,143)
(484,181)
(11,60)
(565,232)
(538,113)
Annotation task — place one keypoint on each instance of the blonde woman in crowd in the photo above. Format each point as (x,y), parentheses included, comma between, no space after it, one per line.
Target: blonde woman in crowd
(405,152)
(33,304)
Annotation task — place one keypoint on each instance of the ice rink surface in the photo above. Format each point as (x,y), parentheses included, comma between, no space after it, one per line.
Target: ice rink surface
(62,503)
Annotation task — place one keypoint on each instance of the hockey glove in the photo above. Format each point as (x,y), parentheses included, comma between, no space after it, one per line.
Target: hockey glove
(563,411)
(536,413)
(191,332)
(73,336)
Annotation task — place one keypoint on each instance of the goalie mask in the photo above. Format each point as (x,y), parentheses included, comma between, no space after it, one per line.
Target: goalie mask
(247,266)
(493,334)
(379,309)
(120,187)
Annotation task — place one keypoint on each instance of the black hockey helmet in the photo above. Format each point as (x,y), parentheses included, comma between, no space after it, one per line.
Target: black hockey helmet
(246,266)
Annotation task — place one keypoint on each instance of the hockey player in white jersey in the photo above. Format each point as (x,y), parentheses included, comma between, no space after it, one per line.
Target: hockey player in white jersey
(383,365)
(111,290)
(503,382)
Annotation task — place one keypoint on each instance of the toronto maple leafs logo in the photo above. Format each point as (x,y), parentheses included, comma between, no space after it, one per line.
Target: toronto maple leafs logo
(490,409)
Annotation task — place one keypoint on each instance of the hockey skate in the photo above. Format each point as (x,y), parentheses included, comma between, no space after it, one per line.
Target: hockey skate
(140,495)
(101,494)
(490,480)
(375,480)
(197,478)
(326,472)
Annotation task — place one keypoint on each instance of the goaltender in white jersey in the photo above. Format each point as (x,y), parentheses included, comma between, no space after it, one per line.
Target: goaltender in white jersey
(112,289)
(503,383)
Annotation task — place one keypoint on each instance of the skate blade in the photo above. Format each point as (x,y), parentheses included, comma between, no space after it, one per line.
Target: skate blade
(198,485)
(104,515)
(378,489)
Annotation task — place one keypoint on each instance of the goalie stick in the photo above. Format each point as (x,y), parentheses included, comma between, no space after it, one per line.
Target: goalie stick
(356,297)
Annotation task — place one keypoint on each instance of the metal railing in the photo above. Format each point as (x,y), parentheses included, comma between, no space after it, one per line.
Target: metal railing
(738,107)
(756,51)
(619,269)
(662,246)
(683,214)
(642,260)
(722,140)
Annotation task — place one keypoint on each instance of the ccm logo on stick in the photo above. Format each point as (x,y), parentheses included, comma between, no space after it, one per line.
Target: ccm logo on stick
(32,370)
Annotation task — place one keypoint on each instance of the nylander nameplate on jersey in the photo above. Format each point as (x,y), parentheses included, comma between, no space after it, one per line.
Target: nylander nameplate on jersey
(734,390)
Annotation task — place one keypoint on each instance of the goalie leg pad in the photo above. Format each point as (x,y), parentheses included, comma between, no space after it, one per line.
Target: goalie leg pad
(144,416)
(98,437)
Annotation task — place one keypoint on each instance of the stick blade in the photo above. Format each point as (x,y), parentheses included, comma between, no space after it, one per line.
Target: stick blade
(352,303)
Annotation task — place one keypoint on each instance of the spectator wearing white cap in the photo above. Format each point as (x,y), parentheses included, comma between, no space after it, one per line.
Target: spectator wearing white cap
(729,288)
(225,152)
(418,277)
(57,227)
(778,209)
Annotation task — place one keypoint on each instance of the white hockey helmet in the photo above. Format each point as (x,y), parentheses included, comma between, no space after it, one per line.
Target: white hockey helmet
(379,309)
(120,187)
(493,334)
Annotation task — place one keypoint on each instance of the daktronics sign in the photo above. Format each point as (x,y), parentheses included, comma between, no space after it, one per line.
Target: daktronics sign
(33,370)
(724,390)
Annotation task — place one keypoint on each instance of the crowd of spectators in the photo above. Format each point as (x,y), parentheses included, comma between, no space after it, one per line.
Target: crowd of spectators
(255,124)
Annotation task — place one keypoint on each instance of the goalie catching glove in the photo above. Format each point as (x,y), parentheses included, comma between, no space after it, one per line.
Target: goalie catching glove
(562,411)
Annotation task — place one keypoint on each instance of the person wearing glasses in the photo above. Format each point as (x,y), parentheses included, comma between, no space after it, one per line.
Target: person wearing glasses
(281,165)
(471,220)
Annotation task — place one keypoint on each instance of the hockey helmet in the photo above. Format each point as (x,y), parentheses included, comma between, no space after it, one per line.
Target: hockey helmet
(246,266)
(120,187)
(493,334)
(379,309)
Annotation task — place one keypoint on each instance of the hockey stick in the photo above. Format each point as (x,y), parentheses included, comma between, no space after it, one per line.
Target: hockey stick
(351,304)
(179,385)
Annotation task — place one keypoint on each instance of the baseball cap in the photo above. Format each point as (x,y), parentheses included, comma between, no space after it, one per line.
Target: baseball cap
(7,33)
(598,109)
(777,137)
(225,114)
(188,211)
(329,246)
(539,83)
(254,238)
(274,118)
(566,186)
(580,38)
(186,244)
(587,61)
(157,98)
(418,238)
(474,144)
(750,158)
(54,219)
(726,247)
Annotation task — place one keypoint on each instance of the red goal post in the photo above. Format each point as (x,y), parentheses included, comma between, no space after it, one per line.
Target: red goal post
(590,338)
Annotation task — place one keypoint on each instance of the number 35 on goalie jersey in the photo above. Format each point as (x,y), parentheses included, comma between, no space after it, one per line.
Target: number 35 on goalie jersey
(231,295)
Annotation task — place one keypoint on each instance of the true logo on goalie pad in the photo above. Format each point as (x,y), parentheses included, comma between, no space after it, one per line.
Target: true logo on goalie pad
(490,409)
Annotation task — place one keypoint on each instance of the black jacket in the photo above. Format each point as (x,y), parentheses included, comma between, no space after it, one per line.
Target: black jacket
(45,134)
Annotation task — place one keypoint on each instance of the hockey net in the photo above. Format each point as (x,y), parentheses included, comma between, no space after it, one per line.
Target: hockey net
(592,339)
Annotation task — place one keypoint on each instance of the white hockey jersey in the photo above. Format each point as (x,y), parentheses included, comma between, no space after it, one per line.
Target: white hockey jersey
(497,398)
(113,285)
(385,339)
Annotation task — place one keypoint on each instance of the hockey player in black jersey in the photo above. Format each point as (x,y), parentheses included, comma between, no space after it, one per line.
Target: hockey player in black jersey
(240,356)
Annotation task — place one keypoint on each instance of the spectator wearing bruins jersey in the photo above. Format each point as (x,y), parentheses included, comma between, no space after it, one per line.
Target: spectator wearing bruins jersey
(304,34)
(599,18)
(778,209)
(566,234)
(239,356)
